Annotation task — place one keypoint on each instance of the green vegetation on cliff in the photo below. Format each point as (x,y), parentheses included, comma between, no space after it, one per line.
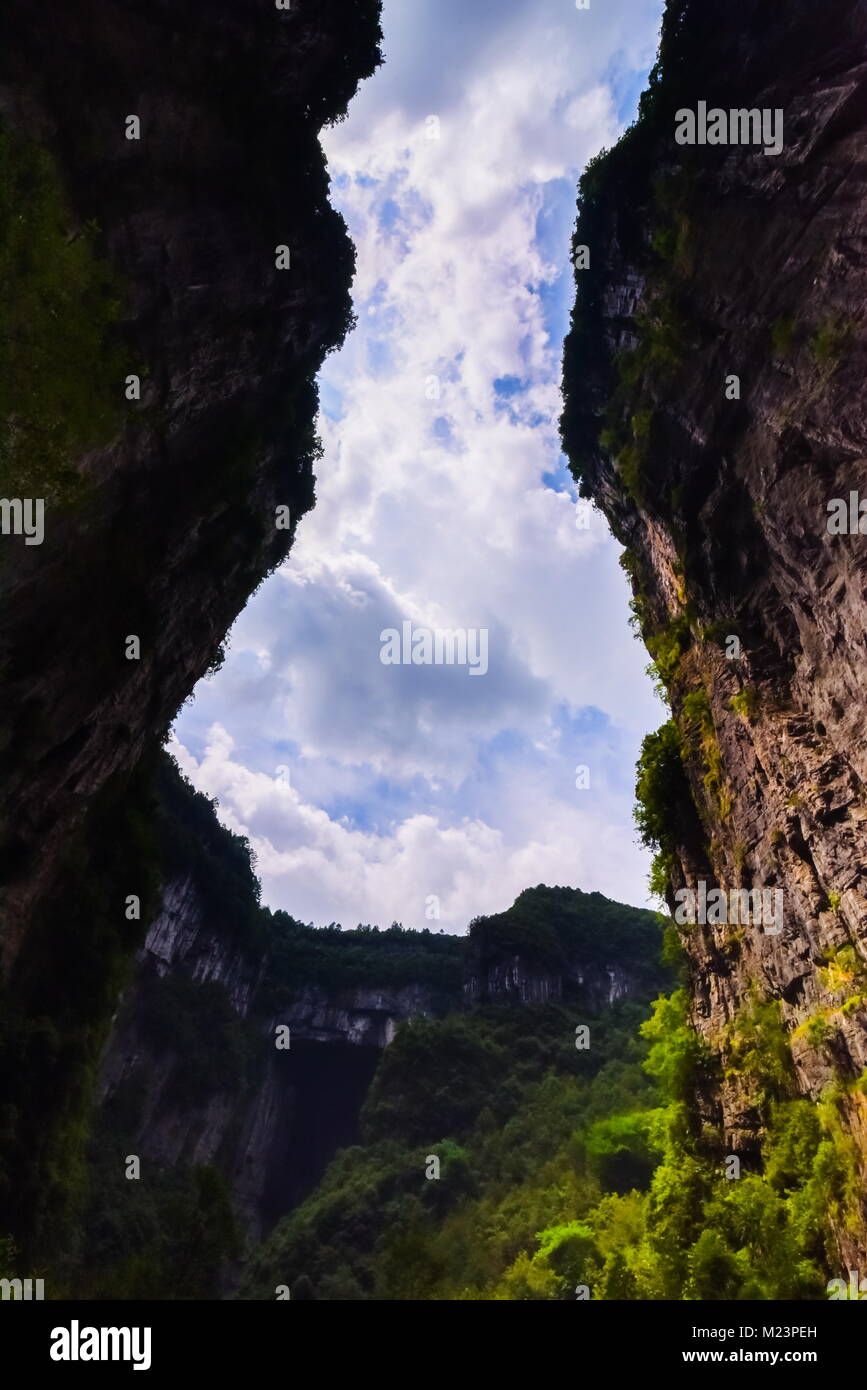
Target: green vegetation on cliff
(529,1133)
(566,1160)
(61,365)
(55,1013)
(582,939)
(562,1174)
(758,1212)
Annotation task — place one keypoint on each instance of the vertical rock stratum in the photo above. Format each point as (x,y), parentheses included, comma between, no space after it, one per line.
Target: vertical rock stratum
(714,410)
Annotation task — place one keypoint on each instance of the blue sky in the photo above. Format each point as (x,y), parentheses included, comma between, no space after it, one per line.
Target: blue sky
(370,791)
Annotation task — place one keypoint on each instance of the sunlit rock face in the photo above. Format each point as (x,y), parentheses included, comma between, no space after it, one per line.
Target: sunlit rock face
(179,938)
(751,266)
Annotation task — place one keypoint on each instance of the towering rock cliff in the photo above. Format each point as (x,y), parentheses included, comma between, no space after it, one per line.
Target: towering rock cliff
(172,276)
(714,409)
(246,1045)
(245,1039)
(187,133)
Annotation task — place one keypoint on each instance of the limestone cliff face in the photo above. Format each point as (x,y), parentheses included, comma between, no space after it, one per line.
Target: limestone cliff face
(707,264)
(180,937)
(177,521)
(362,1017)
(270,1116)
(563,944)
(513,978)
(248,1041)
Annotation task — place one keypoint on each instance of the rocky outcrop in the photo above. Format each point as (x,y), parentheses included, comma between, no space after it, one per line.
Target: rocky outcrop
(178,281)
(272,1122)
(715,409)
(362,1017)
(226,1050)
(563,944)
(179,938)
(175,518)
(515,980)
(511,980)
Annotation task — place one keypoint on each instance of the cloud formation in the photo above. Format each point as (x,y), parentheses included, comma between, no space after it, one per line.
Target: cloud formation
(442,499)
